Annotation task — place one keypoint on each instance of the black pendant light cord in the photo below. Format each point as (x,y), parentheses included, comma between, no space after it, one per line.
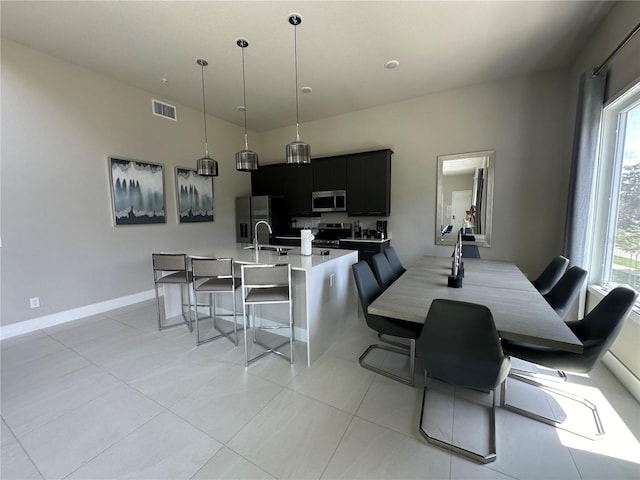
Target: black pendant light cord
(244,102)
(295,54)
(204,114)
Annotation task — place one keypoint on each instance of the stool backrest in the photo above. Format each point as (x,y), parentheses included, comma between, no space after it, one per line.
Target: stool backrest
(265,276)
(212,267)
(169,262)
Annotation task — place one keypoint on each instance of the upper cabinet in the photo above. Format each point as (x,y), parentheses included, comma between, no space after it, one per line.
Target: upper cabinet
(298,185)
(268,180)
(366,177)
(329,173)
(369,183)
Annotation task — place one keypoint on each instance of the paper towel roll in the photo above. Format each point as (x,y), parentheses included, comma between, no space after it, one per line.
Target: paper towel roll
(306,237)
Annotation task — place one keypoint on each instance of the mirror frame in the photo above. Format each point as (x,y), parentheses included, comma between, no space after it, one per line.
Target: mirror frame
(485,240)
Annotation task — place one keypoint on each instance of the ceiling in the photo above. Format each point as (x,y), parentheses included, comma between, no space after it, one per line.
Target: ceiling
(342,48)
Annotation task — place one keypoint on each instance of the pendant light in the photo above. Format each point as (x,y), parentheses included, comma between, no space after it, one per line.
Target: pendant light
(298,152)
(207,166)
(246,160)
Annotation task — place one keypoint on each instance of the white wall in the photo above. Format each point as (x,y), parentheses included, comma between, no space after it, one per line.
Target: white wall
(523,119)
(59,124)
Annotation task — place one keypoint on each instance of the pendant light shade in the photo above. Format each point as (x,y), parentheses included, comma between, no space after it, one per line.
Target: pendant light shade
(298,152)
(206,165)
(246,160)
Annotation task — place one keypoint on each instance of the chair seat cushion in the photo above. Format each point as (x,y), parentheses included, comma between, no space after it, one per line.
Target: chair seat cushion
(176,277)
(394,327)
(547,357)
(265,295)
(460,372)
(216,285)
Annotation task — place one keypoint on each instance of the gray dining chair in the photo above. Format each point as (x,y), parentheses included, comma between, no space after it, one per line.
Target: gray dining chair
(266,285)
(597,331)
(368,290)
(565,292)
(460,346)
(394,261)
(383,271)
(172,269)
(551,274)
(214,277)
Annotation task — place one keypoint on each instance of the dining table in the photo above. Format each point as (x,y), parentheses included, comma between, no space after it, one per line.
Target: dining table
(519,312)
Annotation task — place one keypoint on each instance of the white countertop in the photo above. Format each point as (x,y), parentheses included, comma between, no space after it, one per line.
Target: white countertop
(293,257)
(367,240)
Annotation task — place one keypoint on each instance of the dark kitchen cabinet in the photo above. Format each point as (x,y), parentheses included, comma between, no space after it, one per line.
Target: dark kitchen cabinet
(268,180)
(369,183)
(329,173)
(366,250)
(298,185)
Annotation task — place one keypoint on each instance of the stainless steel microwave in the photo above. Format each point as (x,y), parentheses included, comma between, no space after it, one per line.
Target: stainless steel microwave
(329,201)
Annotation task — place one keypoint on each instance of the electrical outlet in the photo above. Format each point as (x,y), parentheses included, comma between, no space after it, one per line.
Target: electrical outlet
(34,302)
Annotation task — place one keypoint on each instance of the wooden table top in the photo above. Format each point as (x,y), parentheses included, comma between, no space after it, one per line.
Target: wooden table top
(519,311)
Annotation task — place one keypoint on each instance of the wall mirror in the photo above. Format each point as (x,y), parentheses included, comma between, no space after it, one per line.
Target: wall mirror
(465,197)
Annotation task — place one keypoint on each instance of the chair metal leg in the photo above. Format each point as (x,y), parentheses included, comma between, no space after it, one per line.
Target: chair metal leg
(158,306)
(559,377)
(411,354)
(213,315)
(245,321)
(275,350)
(548,420)
(489,457)
(291,332)
(186,318)
(386,339)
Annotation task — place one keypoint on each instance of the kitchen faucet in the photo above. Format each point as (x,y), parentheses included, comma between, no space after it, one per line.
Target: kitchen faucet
(255,235)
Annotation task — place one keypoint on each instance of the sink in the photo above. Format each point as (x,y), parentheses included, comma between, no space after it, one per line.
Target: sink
(269,248)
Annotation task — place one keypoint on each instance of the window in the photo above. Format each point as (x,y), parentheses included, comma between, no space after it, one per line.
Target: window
(616,251)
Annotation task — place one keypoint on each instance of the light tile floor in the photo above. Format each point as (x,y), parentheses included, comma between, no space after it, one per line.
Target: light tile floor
(110,397)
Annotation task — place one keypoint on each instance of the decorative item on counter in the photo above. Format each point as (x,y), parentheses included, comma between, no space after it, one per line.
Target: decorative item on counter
(306,237)
(457,268)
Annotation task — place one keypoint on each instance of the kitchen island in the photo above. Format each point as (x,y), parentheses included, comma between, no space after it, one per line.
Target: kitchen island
(324,293)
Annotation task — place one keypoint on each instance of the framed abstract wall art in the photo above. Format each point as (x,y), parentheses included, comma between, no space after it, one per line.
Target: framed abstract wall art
(137,192)
(195,196)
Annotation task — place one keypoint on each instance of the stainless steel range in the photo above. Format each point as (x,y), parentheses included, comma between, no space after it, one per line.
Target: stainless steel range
(329,234)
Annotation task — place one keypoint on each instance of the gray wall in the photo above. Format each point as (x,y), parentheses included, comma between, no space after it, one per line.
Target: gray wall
(59,125)
(523,119)
(60,122)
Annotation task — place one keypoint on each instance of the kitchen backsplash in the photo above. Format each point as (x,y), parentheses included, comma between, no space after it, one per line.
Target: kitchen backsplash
(334,217)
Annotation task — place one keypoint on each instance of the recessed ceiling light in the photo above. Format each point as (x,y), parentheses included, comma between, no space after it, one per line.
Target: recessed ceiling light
(305,89)
(391,64)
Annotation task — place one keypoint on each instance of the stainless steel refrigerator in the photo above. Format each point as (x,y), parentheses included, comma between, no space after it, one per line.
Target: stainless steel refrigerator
(250,210)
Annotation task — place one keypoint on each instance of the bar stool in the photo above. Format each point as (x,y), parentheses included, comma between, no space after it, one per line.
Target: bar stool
(171,269)
(263,285)
(214,276)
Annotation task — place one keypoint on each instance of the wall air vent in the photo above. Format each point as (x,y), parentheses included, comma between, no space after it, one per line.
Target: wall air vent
(163,109)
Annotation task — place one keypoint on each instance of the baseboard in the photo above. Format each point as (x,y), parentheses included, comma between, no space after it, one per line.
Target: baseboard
(19,328)
(623,374)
